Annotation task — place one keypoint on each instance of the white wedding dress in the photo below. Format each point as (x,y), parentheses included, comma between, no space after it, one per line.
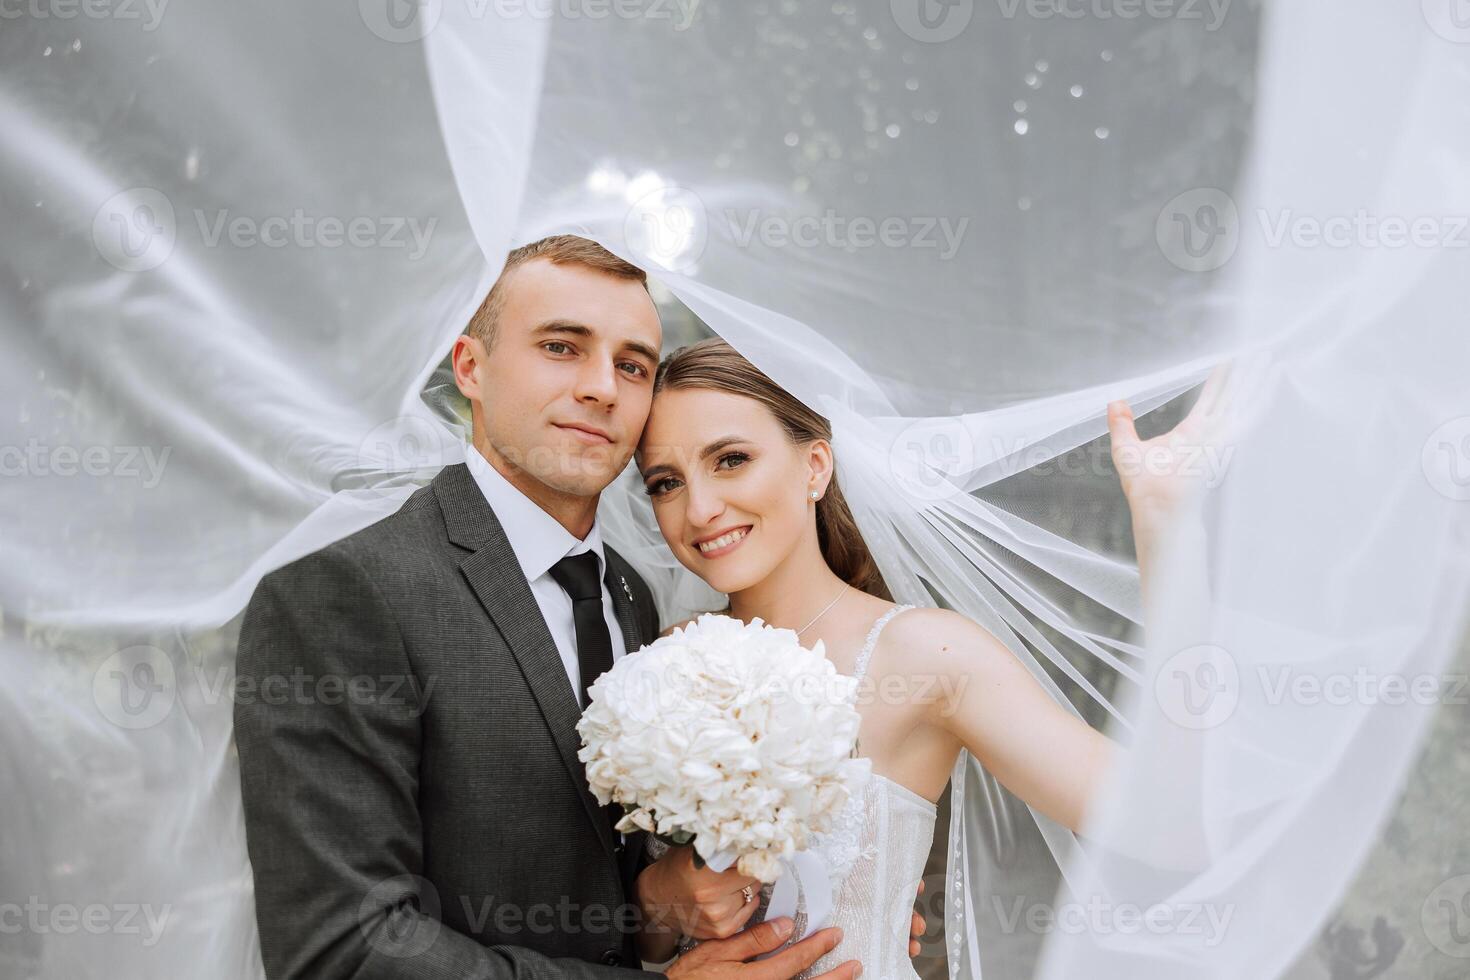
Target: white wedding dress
(875,855)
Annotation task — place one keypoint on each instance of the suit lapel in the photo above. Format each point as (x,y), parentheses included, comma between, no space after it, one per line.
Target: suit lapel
(496,578)
(622,596)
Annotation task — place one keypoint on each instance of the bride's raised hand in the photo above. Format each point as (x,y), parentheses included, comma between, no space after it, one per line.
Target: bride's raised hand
(1162,475)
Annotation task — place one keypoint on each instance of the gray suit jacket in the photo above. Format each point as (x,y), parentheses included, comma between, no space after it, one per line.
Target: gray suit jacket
(414,805)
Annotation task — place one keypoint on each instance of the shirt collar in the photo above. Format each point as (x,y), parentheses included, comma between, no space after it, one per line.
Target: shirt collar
(538,539)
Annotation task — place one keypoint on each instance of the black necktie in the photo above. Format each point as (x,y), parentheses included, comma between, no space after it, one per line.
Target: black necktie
(577,574)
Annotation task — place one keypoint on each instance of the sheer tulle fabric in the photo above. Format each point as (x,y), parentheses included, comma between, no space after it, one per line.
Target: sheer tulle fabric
(957,241)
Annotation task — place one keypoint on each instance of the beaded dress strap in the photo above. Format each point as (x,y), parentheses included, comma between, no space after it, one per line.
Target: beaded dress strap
(866,653)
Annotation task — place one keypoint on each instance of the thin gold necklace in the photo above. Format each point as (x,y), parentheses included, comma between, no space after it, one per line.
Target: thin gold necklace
(828,606)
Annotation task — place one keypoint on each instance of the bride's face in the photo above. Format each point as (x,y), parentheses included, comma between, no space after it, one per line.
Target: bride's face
(729,488)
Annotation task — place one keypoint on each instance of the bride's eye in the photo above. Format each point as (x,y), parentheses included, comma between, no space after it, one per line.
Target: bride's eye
(739,458)
(660,486)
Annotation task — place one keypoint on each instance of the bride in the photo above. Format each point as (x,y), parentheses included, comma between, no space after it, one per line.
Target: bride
(741,478)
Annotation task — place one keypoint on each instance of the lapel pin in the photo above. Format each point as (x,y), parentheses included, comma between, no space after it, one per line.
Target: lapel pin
(627,589)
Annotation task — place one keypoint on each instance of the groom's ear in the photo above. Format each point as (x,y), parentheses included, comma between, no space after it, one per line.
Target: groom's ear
(466,357)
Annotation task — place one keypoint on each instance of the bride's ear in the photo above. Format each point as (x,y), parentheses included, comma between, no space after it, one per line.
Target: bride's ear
(819,466)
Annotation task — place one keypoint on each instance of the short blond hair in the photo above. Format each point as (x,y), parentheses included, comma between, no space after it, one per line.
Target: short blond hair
(559,250)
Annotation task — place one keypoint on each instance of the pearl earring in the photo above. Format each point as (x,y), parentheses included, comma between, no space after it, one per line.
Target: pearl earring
(815,495)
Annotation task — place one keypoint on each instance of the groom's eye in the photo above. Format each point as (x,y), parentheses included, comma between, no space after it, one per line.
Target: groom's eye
(565,348)
(638,369)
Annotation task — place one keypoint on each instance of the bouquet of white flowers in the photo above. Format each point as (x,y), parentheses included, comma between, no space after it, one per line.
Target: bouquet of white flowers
(732,736)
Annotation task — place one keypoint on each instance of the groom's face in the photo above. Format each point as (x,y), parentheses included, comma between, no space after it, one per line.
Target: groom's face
(565,387)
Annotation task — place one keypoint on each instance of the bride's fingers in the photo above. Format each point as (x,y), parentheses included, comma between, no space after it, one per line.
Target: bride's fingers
(740,912)
(1120,426)
(739,886)
(1205,422)
(1214,397)
(732,881)
(743,914)
(727,916)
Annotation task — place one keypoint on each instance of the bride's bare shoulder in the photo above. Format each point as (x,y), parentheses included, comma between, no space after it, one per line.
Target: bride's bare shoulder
(941,634)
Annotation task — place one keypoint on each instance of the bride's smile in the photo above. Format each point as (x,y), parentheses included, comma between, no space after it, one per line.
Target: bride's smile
(719,545)
(729,488)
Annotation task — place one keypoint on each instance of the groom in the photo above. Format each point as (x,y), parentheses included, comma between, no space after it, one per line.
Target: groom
(415,806)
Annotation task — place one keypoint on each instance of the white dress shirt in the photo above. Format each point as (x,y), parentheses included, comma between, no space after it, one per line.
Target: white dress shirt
(539,542)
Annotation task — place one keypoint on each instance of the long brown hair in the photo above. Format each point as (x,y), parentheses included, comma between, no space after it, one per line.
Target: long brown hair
(713,364)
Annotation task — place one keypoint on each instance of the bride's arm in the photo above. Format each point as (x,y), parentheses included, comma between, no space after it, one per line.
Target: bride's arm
(1001,713)
(1052,760)
(991,703)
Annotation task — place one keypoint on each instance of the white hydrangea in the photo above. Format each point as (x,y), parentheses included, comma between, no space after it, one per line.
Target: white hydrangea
(733,733)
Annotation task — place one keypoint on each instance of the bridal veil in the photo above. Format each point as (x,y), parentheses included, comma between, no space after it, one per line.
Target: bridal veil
(241,238)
